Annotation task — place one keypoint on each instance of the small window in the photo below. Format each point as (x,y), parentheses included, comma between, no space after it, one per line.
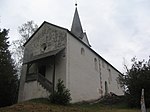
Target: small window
(103,64)
(110,77)
(43,47)
(110,74)
(96,66)
(82,51)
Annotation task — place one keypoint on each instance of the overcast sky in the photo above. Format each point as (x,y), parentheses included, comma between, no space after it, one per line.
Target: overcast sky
(117,29)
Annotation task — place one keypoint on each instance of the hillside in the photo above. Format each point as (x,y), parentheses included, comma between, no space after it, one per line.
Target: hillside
(42,105)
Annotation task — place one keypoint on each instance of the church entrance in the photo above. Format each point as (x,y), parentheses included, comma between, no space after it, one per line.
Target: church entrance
(42,70)
(106,88)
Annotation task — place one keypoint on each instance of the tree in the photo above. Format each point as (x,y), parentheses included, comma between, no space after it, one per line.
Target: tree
(136,79)
(61,95)
(25,30)
(8,77)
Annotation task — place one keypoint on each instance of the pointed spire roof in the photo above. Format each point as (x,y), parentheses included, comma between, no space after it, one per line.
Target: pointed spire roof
(85,39)
(76,28)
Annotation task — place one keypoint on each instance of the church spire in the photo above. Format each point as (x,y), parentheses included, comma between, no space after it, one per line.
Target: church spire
(76,28)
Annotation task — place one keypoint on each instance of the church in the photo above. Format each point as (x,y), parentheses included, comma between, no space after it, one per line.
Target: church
(53,53)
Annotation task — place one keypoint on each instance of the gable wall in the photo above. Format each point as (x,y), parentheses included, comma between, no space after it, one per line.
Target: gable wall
(50,36)
(54,38)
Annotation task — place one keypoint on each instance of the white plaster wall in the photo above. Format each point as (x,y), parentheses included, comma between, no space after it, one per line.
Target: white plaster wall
(83,79)
(60,62)
(34,90)
(113,85)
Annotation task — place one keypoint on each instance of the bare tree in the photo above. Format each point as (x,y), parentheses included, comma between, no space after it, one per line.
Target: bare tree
(25,31)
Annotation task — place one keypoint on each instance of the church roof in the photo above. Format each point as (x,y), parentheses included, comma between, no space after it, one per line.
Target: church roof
(72,36)
(85,39)
(76,28)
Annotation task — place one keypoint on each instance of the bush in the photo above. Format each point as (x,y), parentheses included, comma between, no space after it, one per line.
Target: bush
(61,95)
(112,99)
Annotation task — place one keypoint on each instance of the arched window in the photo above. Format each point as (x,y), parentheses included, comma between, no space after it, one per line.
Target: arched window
(82,51)
(110,74)
(96,64)
(117,80)
(99,65)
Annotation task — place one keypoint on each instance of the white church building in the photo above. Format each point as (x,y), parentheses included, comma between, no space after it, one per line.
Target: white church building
(53,53)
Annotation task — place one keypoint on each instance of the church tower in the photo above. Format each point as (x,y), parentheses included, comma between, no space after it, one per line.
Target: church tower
(76,28)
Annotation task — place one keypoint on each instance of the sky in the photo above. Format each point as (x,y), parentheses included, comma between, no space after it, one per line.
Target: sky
(118,30)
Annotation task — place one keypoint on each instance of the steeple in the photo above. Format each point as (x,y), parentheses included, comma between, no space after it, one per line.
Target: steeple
(76,28)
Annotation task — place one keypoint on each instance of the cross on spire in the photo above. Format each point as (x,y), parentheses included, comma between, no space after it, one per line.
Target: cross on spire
(76,3)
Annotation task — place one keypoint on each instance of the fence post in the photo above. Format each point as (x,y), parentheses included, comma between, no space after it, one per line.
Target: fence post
(143,108)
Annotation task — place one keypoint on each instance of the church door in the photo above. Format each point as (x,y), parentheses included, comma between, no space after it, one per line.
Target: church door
(106,88)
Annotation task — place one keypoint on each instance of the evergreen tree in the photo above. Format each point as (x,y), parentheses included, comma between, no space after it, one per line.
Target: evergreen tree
(61,95)
(136,79)
(8,79)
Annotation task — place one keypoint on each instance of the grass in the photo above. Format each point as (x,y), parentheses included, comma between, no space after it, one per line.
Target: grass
(43,105)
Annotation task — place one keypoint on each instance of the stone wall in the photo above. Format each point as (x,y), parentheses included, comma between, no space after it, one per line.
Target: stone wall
(47,38)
